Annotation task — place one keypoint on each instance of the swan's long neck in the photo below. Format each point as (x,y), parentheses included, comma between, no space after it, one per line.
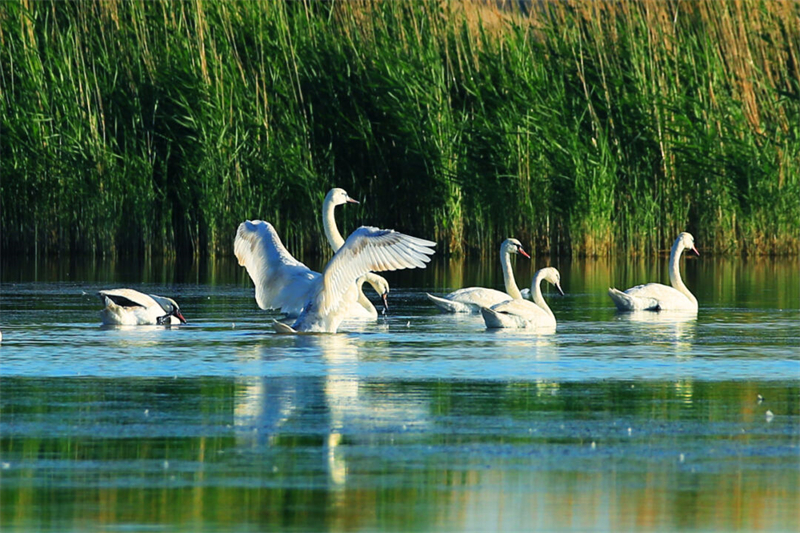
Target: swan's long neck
(329,224)
(508,277)
(675,271)
(363,301)
(536,290)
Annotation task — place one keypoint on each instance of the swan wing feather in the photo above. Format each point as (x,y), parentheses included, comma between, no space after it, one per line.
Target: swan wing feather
(370,249)
(128,298)
(521,308)
(281,281)
(656,291)
(479,296)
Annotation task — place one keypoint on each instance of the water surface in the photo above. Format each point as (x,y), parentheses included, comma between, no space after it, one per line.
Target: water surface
(420,421)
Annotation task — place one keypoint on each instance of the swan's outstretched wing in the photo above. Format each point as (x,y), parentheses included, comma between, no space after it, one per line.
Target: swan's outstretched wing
(370,249)
(282,282)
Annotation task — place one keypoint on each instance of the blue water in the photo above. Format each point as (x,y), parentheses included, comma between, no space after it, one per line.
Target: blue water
(419,421)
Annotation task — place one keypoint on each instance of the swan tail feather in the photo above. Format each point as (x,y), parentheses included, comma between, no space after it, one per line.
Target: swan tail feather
(280,327)
(448,306)
(493,319)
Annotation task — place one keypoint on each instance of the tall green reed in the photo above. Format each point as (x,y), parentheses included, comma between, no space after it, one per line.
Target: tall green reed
(582,127)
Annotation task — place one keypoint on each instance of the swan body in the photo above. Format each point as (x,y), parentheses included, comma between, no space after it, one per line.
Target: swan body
(127,307)
(520,313)
(324,298)
(659,297)
(363,308)
(472,299)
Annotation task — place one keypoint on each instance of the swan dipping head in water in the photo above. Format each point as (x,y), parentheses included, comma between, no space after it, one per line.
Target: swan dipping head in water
(127,307)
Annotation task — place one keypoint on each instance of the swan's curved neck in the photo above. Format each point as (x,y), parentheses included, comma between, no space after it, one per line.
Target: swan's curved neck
(536,290)
(329,224)
(363,301)
(508,277)
(675,271)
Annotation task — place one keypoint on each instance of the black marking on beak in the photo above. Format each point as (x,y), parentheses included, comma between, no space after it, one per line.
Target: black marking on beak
(384,297)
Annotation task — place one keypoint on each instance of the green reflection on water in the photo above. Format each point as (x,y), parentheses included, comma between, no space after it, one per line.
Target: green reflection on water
(308,454)
(344,452)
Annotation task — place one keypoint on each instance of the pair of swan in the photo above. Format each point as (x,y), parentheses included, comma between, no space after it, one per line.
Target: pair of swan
(127,307)
(505,309)
(321,301)
(325,298)
(289,295)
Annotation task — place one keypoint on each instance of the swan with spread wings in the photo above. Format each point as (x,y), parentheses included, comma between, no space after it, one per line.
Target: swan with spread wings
(282,282)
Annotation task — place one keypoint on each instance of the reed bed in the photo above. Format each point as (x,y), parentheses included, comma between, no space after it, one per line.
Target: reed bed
(582,127)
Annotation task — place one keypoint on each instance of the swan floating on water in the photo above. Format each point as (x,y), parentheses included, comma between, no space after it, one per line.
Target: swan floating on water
(659,297)
(363,308)
(520,313)
(472,299)
(127,307)
(324,299)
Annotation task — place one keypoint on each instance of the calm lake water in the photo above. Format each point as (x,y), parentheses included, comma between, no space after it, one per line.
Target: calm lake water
(419,422)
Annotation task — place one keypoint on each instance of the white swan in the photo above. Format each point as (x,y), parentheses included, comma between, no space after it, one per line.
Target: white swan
(283,281)
(519,313)
(471,299)
(363,307)
(127,307)
(655,296)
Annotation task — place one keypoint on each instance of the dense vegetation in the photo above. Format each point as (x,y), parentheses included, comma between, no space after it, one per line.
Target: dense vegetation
(583,127)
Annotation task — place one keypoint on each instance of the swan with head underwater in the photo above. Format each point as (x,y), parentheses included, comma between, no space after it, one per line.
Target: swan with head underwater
(363,308)
(472,299)
(325,298)
(521,313)
(659,297)
(127,307)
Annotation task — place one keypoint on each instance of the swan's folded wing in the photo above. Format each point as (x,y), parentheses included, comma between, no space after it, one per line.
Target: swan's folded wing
(370,249)
(655,291)
(127,297)
(522,308)
(282,282)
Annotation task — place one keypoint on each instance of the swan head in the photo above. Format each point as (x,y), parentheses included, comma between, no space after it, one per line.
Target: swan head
(554,277)
(513,246)
(338,196)
(381,286)
(171,308)
(686,241)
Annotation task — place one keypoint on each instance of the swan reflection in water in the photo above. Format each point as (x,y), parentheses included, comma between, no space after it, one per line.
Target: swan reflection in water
(521,341)
(333,401)
(674,327)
